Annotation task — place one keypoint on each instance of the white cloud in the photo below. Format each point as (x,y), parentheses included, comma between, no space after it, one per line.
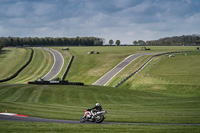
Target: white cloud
(1,30)
(16,9)
(122,3)
(126,20)
(42,9)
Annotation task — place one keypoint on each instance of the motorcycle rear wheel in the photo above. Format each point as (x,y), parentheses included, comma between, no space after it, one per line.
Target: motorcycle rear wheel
(99,119)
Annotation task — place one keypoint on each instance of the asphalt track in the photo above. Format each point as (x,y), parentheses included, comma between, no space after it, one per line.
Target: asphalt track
(109,75)
(58,64)
(34,119)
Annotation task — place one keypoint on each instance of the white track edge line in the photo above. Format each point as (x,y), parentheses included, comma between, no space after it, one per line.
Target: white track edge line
(62,63)
(112,69)
(54,61)
(121,70)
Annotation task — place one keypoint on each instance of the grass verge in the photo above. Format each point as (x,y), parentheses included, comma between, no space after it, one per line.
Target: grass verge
(40,65)
(181,70)
(7,126)
(11,60)
(123,105)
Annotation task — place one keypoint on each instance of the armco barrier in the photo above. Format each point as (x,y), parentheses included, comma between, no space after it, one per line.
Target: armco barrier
(55,83)
(68,67)
(145,64)
(15,74)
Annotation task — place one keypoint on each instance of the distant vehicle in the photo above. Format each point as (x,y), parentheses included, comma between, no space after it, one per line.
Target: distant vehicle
(171,55)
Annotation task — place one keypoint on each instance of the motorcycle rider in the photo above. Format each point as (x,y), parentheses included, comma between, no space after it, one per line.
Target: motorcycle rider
(97,109)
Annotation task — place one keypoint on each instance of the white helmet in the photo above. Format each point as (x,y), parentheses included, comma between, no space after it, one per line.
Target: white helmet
(97,104)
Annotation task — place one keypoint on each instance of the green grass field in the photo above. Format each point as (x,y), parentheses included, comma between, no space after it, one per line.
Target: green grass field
(85,68)
(123,105)
(181,70)
(89,68)
(7,126)
(40,65)
(11,60)
(128,70)
(168,92)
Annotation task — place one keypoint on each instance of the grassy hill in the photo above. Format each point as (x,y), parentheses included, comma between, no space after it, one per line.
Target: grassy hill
(150,96)
(163,72)
(85,68)
(11,60)
(89,68)
(40,65)
(123,105)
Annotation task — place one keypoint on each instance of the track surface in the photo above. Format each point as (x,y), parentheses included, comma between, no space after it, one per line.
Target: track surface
(58,64)
(34,119)
(108,76)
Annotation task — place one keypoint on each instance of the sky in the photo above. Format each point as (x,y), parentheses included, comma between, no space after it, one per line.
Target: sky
(124,20)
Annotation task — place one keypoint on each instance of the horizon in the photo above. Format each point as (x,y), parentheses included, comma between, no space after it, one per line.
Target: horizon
(123,20)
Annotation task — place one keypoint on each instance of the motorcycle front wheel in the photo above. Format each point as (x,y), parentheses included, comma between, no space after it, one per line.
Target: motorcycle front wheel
(82,119)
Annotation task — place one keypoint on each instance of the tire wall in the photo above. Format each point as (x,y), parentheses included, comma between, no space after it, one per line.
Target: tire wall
(68,67)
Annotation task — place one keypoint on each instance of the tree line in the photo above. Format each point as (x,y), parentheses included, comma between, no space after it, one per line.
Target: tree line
(1,45)
(50,41)
(186,40)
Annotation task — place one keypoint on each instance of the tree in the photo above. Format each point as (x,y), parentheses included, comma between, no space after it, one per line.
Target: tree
(111,42)
(97,43)
(1,45)
(117,42)
(141,42)
(50,41)
(135,42)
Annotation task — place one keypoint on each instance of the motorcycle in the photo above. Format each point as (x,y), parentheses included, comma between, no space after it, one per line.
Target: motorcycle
(93,116)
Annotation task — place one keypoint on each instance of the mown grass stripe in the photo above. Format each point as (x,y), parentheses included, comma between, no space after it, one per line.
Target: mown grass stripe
(10,63)
(25,95)
(40,65)
(30,72)
(35,95)
(4,90)
(18,93)
(41,108)
(69,102)
(6,95)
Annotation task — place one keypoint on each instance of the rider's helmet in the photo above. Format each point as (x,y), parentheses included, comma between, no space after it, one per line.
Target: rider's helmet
(97,104)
